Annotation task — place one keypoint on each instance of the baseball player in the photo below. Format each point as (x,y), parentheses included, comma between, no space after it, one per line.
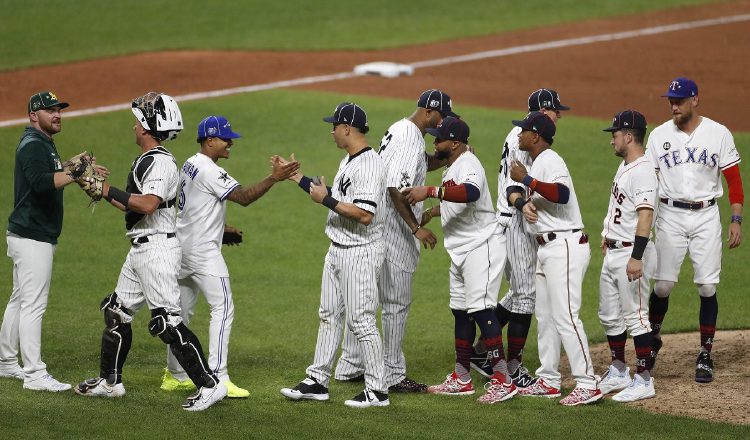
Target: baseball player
(552,215)
(629,260)
(34,226)
(149,274)
(517,306)
(352,265)
(204,189)
(402,150)
(690,152)
(476,244)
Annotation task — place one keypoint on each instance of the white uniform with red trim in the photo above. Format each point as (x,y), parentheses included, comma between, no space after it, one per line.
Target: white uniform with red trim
(562,260)
(204,188)
(473,238)
(689,167)
(624,304)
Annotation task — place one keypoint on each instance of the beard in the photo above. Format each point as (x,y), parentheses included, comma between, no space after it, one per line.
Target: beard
(442,155)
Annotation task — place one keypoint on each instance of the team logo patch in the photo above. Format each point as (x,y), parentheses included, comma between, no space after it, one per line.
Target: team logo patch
(666,145)
(224,177)
(405,181)
(212,131)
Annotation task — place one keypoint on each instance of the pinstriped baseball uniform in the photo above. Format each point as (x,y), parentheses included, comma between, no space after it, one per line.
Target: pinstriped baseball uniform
(473,238)
(402,150)
(352,265)
(150,271)
(561,265)
(624,304)
(204,188)
(689,168)
(520,245)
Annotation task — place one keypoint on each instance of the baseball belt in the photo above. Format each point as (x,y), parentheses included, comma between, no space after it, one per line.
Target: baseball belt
(550,236)
(616,244)
(145,239)
(688,205)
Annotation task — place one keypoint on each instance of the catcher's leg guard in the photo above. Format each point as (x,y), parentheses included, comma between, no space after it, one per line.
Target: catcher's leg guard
(184,346)
(116,339)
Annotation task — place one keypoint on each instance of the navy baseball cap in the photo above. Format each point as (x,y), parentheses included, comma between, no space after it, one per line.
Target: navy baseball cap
(216,126)
(451,129)
(545,98)
(681,88)
(540,124)
(631,119)
(349,113)
(435,99)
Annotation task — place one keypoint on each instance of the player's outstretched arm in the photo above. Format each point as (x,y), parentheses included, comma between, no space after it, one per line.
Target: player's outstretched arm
(463,193)
(320,193)
(140,203)
(281,169)
(424,235)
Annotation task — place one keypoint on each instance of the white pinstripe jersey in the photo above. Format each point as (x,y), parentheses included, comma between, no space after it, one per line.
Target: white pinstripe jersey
(360,180)
(160,178)
(635,186)
(690,166)
(467,225)
(549,167)
(403,153)
(510,153)
(204,188)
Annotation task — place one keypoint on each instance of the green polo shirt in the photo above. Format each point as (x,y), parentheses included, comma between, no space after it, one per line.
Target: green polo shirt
(38,206)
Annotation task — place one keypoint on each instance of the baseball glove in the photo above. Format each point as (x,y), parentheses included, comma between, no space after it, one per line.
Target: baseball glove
(232,236)
(92,186)
(79,166)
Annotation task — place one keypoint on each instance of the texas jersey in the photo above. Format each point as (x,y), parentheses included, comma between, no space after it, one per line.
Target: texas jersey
(204,188)
(549,167)
(403,153)
(510,153)
(467,225)
(635,187)
(153,172)
(689,165)
(360,180)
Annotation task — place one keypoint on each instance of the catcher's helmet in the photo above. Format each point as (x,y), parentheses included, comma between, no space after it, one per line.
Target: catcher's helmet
(159,114)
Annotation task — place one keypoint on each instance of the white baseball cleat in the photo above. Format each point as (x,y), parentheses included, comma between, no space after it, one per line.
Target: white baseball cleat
(13,371)
(309,389)
(98,387)
(639,389)
(46,383)
(368,398)
(205,397)
(614,380)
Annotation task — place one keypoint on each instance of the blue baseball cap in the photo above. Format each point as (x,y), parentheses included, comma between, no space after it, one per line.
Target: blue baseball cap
(216,126)
(349,113)
(631,119)
(451,129)
(681,88)
(540,124)
(434,99)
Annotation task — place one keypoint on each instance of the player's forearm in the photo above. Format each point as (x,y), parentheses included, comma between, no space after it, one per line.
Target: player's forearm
(645,220)
(304,183)
(246,195)
(403,208)
(734,185)
(514,193)
(554,192)
(354,212)
(61,179)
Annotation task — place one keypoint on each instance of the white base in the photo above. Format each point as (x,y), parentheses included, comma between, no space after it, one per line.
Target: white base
(384,68)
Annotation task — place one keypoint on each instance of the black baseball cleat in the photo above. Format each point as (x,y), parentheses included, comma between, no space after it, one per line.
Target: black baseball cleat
(308,389)
(704,368)
(656,344)
(368,398)
(481,364)
(521,377)
(408,386)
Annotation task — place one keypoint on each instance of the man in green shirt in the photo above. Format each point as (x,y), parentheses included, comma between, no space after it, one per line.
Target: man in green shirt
(33,228)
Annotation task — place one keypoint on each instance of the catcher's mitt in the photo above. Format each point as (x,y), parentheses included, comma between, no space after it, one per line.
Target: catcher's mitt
(79,166)
(232,236)
(92,186)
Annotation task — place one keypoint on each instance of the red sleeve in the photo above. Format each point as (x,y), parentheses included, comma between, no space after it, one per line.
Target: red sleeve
(734,183)
(464,193)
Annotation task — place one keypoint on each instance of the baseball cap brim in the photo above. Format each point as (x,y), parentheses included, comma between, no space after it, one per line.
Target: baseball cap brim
(434,131)
(612,129)
(231,135)
(62,105)
(449,113)
(521,123)
(675,95)
(330,120)
(562,107)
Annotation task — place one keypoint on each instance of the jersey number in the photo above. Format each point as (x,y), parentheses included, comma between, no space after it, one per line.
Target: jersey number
(386,140)
(181,198)
(618,214)
(506,150)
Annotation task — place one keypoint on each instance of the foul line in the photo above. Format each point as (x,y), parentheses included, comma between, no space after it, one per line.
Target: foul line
(427,63)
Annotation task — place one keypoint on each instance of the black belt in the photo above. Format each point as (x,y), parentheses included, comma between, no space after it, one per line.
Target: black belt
(688,205)
(505,214)
(551,236)
(613,244)
(142,240)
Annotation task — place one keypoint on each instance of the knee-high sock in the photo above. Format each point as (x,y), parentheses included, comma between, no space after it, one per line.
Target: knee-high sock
(464,332)
(643,353)
(493,341)
(518,331)
(708,314)
(657,309)
(617,348)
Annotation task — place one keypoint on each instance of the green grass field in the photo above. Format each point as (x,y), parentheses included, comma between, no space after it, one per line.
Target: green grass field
(276,278)
(49,32)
